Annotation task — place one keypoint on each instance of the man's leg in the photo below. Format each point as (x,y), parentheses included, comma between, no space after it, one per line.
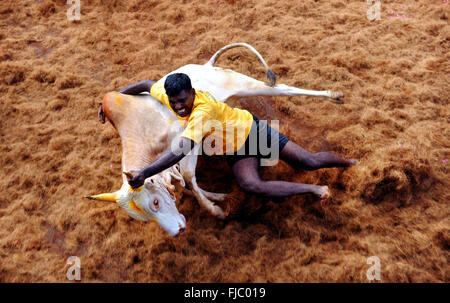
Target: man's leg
(301,158)
(246,172)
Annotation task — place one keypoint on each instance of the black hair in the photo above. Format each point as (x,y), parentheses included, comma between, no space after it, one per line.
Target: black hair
(175,83)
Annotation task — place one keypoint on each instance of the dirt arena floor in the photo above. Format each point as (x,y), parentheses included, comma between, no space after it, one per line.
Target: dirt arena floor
(395,120)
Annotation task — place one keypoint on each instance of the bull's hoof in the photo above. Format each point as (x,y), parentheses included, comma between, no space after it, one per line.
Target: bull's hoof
(336,97)
(218,212)
(271,78)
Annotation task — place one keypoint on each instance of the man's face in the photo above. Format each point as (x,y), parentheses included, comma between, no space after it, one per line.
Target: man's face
(183,102)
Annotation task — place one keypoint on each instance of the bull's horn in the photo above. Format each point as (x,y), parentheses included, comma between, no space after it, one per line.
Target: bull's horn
(109,197)
(129,175)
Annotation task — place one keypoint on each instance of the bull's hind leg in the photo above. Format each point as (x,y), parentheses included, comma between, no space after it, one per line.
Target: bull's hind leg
(187,166)
(240,85)
(236,84)
(253,87)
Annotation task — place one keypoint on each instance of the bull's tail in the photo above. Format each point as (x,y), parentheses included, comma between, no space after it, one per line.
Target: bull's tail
(270,75)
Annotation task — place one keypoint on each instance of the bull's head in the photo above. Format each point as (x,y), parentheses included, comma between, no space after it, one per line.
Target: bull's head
(150,202)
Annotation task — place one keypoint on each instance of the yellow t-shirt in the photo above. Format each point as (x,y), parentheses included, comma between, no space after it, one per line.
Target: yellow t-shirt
(222,128)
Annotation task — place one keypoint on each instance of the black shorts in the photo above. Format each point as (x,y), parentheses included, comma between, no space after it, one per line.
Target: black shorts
(259,143)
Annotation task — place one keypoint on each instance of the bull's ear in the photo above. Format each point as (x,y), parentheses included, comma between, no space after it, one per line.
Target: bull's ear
(109,197)
(149,184)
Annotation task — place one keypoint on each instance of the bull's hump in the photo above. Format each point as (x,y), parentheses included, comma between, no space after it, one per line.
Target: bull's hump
(125,109)
(143,124)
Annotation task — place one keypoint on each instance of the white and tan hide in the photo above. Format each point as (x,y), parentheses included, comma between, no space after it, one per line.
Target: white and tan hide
(147,127)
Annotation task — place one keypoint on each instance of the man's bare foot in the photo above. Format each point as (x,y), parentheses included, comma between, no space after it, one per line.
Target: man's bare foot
(324,195)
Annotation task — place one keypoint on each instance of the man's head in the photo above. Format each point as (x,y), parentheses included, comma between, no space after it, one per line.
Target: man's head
(180,92)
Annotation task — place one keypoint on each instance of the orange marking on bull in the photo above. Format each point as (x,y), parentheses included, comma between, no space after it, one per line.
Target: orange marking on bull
(118,100)
(134,206)
(136,189)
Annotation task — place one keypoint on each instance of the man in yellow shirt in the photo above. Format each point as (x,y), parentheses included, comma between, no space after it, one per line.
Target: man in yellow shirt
(234,132)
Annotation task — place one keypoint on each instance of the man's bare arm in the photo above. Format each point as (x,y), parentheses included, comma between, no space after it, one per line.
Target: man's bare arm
(168,158)
(137,88)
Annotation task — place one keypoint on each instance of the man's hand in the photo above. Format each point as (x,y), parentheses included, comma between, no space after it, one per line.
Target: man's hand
(101,114)
(137,180)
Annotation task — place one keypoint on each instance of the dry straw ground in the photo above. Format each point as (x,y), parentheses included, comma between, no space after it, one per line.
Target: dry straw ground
(395,120)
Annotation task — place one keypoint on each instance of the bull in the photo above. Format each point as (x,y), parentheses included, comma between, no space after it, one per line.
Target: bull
(147,127)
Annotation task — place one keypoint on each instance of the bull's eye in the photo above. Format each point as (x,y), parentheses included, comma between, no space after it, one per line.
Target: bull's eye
(156,203)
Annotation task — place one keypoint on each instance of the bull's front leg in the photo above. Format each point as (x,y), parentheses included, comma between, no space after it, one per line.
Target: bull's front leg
(214,196)
(187,167)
